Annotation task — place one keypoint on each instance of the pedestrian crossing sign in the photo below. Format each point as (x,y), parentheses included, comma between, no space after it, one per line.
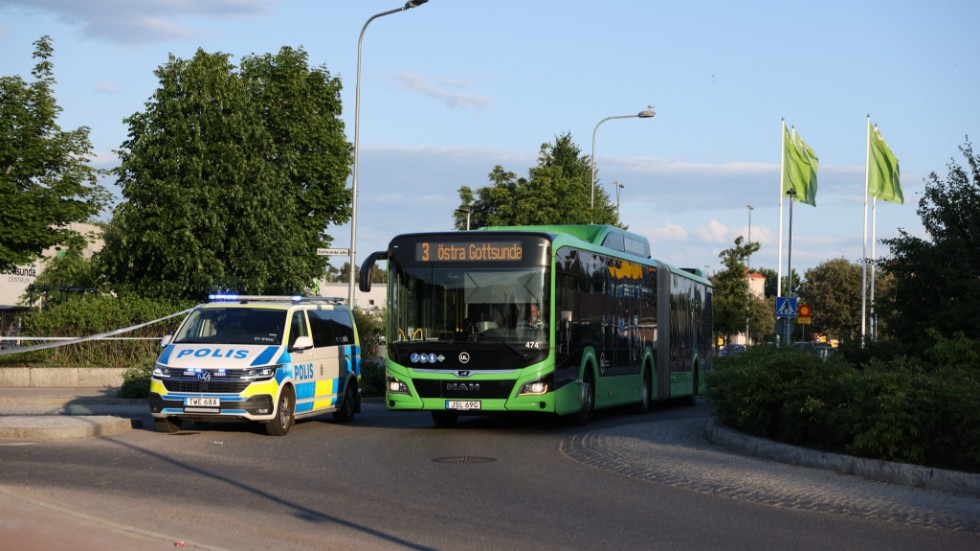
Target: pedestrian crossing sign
(785,307)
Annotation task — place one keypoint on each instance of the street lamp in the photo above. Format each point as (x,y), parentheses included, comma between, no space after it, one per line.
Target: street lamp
(357,124)
(618,187)
(645,114)
(748,275)
(468,213)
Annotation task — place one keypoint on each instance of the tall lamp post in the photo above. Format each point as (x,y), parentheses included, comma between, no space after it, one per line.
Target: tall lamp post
(645,114)
(357,125)
(619,188)
(468,213)
(748,277)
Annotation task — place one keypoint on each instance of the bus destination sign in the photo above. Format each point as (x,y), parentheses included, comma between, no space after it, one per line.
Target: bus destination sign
(469,251)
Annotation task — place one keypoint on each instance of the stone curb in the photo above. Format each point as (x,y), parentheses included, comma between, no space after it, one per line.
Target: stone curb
(61,377)
(882,471)
(62,427)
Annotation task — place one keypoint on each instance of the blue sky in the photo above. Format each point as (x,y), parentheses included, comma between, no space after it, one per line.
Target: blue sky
(455,87)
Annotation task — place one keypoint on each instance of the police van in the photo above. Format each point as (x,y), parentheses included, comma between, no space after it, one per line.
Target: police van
(267,359)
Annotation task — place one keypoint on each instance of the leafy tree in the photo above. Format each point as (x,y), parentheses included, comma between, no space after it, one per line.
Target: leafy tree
(935,281)
(229,178)
(731,303)
(45,181)
(557,191)
(832,289)
(771,276)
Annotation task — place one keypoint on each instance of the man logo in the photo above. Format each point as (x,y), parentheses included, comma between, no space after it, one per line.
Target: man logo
(464,357)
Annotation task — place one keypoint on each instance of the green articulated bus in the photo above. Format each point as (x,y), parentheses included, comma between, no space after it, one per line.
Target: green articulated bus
(556,319)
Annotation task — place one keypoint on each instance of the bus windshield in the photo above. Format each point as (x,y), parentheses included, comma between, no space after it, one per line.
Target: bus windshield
(470,303)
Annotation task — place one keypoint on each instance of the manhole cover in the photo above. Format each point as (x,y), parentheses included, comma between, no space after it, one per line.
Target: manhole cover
(463,459)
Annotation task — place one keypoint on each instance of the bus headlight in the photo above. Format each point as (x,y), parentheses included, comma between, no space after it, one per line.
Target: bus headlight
(395,386)
(534,388)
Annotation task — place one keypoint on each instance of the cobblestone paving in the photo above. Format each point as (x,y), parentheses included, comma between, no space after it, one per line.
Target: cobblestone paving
(677,453)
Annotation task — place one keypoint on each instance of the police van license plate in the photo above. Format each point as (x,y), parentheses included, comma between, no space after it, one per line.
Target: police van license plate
(203,402)
(465,405)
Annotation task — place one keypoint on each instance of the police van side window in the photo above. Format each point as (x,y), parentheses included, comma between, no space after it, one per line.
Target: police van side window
(297,327)
(343,325)
(323,331)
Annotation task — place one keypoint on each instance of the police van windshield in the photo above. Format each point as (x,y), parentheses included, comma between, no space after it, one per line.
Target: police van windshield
(256,326)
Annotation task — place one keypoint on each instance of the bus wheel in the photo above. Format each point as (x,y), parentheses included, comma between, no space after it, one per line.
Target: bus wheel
(643,405)
(345,414)
(280,424)
(445,419)
(587,397)
(167,425)
(693,399)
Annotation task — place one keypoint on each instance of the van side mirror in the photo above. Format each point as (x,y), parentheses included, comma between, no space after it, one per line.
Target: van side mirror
(302,343)
(166,340)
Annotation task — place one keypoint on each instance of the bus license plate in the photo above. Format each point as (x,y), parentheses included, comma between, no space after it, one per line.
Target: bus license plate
(465,405)
(203,402)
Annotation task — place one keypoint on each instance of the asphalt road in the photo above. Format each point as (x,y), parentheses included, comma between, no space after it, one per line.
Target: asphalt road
(393,481)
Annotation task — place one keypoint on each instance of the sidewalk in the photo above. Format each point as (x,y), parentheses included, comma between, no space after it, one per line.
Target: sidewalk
(29,524)
(32,414)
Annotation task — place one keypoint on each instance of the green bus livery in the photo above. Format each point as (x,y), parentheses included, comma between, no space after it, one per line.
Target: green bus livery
(555,319)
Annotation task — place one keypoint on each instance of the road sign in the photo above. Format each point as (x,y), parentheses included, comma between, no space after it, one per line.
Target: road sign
(803,311)
(785,307)
(333,252)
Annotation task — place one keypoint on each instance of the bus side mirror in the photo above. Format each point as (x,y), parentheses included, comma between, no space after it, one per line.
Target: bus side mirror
(367,267)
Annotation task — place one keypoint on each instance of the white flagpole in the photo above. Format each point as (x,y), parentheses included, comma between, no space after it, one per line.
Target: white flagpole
(779,246)
(864,247)
(872,321)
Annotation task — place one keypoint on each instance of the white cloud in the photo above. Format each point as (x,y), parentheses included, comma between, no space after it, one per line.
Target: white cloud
(714,232)
(418,83)
(143,21)
(668,233)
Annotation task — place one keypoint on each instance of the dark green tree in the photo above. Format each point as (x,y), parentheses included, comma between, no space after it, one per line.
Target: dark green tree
(732,305)
(771,276)
(936,283)
(229,178)
(832,289)
(45,181)
(557,191)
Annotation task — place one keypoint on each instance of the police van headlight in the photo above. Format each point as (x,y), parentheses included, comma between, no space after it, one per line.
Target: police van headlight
(259,373)
(161,371)
(534,388)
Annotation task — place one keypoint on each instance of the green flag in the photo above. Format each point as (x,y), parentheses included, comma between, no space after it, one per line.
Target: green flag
(883,170)
(799,168)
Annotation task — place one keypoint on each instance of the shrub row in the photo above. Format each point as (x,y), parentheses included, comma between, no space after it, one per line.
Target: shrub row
(901,410)
(91,315)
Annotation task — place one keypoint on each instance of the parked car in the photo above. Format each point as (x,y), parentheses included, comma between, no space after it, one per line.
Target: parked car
(731,350)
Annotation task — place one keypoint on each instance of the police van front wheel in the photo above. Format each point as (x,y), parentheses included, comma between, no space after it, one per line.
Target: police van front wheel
(280,424)
(167,425)
(345,413)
